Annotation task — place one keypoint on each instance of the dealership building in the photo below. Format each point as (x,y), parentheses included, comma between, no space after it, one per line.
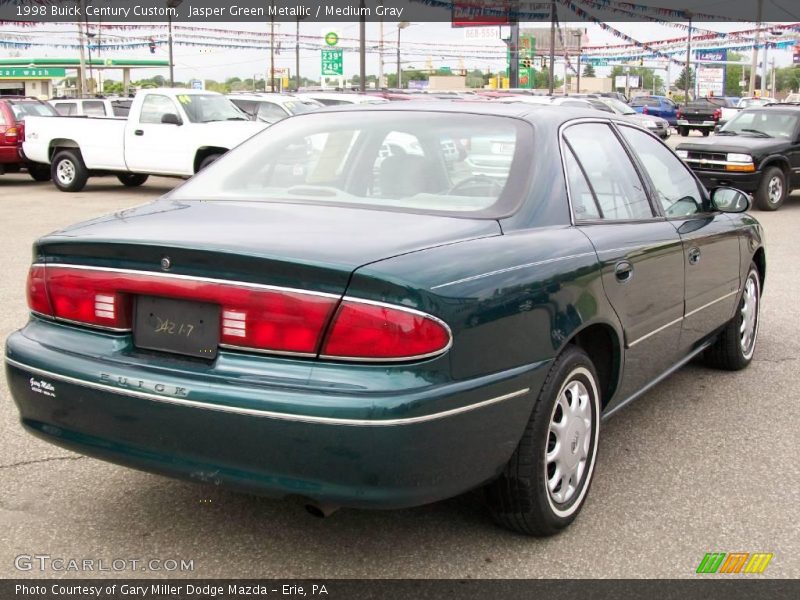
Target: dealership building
(38,76)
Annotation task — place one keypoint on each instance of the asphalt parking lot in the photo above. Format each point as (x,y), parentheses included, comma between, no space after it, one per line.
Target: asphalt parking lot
(705,462)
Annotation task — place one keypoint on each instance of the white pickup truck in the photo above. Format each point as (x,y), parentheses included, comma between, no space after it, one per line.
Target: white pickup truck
(171,132)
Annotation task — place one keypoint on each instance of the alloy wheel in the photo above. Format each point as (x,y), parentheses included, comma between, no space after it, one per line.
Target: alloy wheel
(65,171)
(775,190)
(748,330)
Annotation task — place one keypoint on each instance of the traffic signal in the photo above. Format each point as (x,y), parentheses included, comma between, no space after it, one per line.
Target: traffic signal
(152,45)
(526,63)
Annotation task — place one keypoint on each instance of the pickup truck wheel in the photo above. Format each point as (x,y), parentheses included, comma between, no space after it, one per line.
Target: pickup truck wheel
(208,160)
(772,190)
(706,132)
(68,171)
(39,172)
(734,348)
(544,485)
(132,179)
(684,131)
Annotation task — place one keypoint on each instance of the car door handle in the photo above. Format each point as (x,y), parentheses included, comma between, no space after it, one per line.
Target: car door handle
(694,256)
(138,132)
(623,271)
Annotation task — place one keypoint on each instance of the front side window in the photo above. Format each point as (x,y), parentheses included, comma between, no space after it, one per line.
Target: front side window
(270,112)
(207,108)
(676,189)
(155,106)
(618,190)
(402,160)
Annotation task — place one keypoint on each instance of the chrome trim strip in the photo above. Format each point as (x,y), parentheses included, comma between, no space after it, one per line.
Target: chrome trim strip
(655,331)
(268,352)
(703,161)
(247,284)
(266,413)
(720,299)
(515,268)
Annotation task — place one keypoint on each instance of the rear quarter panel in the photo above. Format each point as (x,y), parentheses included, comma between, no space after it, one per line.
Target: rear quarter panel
(510,300)
(100,141)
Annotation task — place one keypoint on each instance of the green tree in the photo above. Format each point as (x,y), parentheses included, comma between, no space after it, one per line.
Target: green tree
(588,70)
(680,82)
(733,75)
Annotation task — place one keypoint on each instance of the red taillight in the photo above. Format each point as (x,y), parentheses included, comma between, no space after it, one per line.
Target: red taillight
(12,135)
(678,114)
(379,332)
(38,300)
(717,114)
(255,317)
(645,110)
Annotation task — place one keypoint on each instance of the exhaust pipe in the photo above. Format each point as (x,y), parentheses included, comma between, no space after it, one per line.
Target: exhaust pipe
(320,510)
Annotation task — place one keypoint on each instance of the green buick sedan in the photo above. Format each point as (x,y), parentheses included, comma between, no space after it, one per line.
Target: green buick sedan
(385,306)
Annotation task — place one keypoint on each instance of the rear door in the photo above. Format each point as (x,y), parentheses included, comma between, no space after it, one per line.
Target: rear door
(639,251)
(710,242)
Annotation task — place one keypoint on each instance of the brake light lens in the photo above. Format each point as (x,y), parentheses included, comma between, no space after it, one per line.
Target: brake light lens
(645,110)
(253,317)
(12,135)
(717,114)
(369,331)
(678,114)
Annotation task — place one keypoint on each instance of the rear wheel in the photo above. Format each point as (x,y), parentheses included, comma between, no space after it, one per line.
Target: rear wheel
(684,131)
(737,342)
(772,190)
(39,172)
(544,485)
(706,132)
(132,179)
(68,171)
(211,158)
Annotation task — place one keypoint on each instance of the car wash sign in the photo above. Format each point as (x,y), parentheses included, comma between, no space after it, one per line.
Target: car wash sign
(710,76)
(31,73)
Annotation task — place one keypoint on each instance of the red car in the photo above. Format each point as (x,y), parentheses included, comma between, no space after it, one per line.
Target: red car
(13,110)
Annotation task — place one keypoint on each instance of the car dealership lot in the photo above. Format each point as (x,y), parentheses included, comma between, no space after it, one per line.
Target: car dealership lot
(704,462)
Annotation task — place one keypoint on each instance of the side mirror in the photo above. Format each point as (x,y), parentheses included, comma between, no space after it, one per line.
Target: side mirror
(730,200)
(171,119)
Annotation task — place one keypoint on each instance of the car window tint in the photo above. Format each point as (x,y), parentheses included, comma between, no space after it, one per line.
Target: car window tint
(676,189)
(580,194)
(155,106)
(270,112)
(616,184)
(94,108)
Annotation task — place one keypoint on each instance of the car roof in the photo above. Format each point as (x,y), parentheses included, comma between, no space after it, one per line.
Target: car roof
(553,115)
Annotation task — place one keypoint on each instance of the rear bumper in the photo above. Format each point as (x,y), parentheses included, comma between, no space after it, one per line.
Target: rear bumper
(11,155)
(747,182)
(278,431)
(696,125)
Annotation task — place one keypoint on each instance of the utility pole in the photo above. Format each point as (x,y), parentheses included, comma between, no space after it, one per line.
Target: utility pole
(80,83)
(272,54)
(763,68)
(513,54)
(297,56)
(580,47)
(362,50)
(551,75)
(380,55)
(754,60)
(687,81)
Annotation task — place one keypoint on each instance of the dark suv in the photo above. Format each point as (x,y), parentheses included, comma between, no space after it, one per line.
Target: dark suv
(757,151)
(13,110)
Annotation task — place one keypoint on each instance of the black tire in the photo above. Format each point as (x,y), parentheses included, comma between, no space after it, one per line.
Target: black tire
(211,158)
(731,351)
(39,172)
(68,171)
(771,192)
(132,179)
(684,131)
(520,499)
(706,132)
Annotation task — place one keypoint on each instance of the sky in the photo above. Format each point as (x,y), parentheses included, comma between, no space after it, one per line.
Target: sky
(219,64)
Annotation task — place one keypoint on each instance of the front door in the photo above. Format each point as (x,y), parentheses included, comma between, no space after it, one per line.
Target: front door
(640,252)
(710,245)
(155,147)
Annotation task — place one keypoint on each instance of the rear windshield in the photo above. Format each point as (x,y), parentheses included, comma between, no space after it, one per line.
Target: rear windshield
(469,164)
(31,108)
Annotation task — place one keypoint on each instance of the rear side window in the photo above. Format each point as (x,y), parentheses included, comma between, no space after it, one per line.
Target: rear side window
(66,109)
(94,108)
(2,116)
(270,112)
(248,106)
(584,206)
(30,108)
(618,190)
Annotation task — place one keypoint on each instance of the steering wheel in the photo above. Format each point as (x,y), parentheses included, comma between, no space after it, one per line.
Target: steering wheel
(475,181)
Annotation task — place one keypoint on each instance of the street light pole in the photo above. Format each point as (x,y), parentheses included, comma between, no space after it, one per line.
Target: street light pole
(687,82)
(171,4)
(754,58)
(272,54)
(552,73)
(362,51)
(579,35)
(297,56)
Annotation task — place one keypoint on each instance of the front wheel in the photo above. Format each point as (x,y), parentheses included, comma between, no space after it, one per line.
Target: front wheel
(545,483)
(734,348)
(132,179)
(211,158)
(68,171)
(771,190)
